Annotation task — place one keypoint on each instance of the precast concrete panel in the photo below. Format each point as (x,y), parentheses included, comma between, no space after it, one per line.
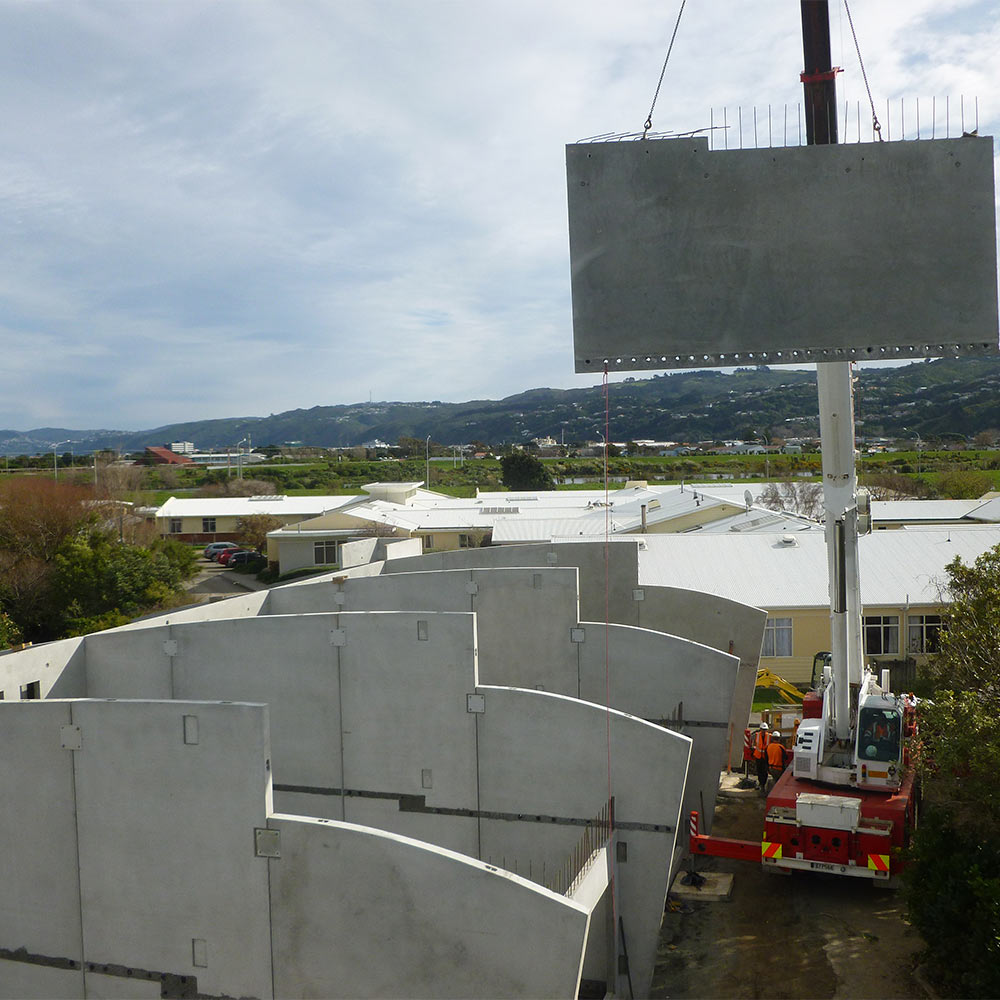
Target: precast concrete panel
(166,813)
(547,755)
(287,663)
(388,812)
(39,876)
(628,598)
(358,912)
(101,986)
(405,679)
(57,668)
(675,682)
(27,981)
(131,664)
(684,257)
(716,622)
(523,616)
(240,606)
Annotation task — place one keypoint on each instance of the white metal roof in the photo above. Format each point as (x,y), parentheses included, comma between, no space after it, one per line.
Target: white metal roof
(282,506)
(897,567)
(759,519)
(429,512)
(916,511)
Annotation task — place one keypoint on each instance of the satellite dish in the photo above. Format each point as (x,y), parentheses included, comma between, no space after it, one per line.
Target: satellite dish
(748,499)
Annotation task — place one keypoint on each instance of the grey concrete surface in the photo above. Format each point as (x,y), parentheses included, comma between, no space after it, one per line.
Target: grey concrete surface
(684,257)
(139,867)
(662,678)
(481,932)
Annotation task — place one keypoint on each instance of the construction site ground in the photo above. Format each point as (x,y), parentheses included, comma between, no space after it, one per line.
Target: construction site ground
(778,936)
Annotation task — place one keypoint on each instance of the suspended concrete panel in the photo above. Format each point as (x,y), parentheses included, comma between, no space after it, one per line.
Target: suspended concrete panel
(684,257)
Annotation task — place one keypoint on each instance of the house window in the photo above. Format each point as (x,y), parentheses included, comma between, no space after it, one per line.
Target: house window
(881,634)
(208,525)
(31,691)
(777,637)
(428,541)
(463,541)
(324,553)
(176,525)
(922,633)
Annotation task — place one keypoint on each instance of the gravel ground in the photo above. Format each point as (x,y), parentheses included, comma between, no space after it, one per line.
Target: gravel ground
(778,936)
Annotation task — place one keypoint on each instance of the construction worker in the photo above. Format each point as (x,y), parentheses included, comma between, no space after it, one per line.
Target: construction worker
(776,756)
(761,739)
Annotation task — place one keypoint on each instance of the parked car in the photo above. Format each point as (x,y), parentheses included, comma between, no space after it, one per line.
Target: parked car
(249,559)
(213,548)
(226,554)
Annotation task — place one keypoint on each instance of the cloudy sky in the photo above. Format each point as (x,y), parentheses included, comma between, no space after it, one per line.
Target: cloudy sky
(226,208)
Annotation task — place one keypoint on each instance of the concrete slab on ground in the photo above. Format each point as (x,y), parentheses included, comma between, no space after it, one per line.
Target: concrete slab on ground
(717,887)
(731,782)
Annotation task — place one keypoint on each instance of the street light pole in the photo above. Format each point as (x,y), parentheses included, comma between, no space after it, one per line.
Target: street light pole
(427,463)
(239,458)
(55,467)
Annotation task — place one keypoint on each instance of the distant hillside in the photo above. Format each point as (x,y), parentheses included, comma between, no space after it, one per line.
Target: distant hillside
(934,398)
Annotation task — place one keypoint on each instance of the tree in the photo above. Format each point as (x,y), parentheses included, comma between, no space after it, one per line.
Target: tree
(232,486)
(10,634)
(963,484)
(895,486)
(39,517)
(524,472)
(953,876)
(795,497)
(64,570)
(253,528)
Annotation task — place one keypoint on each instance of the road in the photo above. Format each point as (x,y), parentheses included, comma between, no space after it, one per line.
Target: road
(798,935)
(216,581)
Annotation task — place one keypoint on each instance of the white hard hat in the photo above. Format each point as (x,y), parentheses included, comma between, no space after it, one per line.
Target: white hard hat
(764,726)
(776,733)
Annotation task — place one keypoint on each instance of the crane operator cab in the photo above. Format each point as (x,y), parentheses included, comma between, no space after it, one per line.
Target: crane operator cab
(879,752)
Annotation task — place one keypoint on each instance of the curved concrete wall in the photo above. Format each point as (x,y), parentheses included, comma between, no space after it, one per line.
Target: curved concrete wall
(372,722)
(648,766)
(530,636)
(412,920)
(631,598)
(133,866)
(123,842)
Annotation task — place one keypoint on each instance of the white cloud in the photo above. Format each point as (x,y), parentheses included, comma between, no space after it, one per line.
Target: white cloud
(333,198)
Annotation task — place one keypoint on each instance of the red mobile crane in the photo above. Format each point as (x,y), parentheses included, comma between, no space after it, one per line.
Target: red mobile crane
(848,801)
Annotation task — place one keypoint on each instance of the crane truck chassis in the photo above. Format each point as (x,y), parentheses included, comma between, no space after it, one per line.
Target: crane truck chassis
(810,827)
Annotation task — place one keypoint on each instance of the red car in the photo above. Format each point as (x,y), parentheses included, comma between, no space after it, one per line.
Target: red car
(225,556)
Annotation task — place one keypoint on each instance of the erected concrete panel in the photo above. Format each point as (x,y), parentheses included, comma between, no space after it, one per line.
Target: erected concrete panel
(358,912)
(685,257)
(523,616)
(26,981)
(52,670)
(714,621)
(240,606)
(676,683)
(166,812)
(101,986)
(39,877)
(405,679)
(130,664)
(286,663)
(545,755)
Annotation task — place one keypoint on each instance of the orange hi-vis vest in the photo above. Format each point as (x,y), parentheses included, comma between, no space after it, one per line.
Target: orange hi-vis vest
(761,739)
(775,754)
